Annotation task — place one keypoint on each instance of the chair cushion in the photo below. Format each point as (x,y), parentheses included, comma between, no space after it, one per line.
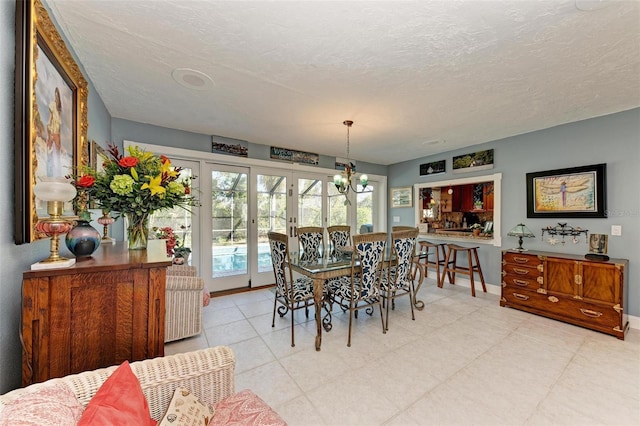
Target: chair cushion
(50,404)
(245,408)
(119,401)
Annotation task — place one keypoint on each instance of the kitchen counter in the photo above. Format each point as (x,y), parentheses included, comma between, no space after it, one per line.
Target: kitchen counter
(458,235)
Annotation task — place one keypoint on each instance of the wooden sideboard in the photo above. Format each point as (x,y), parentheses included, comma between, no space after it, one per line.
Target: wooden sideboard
(104,310)
(568,288)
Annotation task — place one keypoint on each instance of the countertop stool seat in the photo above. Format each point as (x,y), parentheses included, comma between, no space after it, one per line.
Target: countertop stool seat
(437,261)
(451,266)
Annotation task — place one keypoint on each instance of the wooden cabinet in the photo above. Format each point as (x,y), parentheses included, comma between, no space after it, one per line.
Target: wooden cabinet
(568,288)
(102,311)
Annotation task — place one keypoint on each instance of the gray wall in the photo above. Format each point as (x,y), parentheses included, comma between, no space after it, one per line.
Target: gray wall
(613,139)
(146,133)
(14,259)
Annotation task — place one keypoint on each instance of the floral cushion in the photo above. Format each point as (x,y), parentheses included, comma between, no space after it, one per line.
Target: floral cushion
(245,408)
(53,404)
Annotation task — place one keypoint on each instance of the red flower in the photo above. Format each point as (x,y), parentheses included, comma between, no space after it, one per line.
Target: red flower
(164,159)
(86,181)
(128,162)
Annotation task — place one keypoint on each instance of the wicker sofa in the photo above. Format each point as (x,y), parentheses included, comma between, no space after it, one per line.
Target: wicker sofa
(208,373)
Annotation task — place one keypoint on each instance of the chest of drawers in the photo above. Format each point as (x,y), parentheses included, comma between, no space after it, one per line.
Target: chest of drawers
(568,288)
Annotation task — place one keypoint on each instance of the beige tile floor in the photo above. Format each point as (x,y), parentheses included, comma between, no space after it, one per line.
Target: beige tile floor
(463,361)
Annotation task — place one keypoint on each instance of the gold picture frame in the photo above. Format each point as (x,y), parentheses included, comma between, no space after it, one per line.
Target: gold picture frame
(401,197)
(50,113)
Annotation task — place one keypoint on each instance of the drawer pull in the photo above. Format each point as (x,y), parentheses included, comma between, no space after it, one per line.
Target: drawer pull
(520,296)
(521,259)
(553,299)
(590,313)
(521,271)
(521,283)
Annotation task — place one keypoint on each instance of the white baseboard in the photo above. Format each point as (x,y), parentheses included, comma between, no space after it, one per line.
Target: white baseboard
(634,321)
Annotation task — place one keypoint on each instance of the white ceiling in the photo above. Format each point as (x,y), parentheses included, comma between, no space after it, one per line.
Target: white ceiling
(409,74)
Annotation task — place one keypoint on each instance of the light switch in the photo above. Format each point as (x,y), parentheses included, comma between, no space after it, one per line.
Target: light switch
(396,219)
(616,230)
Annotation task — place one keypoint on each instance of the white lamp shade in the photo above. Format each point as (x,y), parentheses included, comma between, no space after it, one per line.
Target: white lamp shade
(54,189)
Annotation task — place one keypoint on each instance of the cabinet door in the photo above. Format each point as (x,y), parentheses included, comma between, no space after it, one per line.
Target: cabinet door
(466,198)
(601,282)
(560,276)
(488,196)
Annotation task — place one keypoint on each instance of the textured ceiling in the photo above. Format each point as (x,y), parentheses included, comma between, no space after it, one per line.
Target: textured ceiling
(409,74)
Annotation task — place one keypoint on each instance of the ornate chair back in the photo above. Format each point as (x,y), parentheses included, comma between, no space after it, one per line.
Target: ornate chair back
(311,240)
(339,236)
(403,243)
(279,259)
(368,253)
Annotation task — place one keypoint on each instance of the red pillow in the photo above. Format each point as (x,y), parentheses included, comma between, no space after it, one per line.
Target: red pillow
(119,401)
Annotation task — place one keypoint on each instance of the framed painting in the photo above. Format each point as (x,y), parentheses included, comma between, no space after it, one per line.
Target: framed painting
(481,160)
(401,197)
(50,113)
(578,192)
(433,168)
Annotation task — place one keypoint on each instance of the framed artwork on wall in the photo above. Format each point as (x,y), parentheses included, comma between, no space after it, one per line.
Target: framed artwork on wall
(50,113)
(480,160)
(577,192)
(402,197)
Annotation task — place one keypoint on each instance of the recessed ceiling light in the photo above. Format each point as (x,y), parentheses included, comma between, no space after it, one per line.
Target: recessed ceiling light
(192,79)
(589,5)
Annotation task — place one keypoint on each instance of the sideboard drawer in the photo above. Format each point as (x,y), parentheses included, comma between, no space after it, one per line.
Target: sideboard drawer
(521,259)
(530,272)
(602,317)
(516,282)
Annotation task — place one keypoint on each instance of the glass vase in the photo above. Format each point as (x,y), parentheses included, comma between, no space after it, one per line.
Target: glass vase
(137,231)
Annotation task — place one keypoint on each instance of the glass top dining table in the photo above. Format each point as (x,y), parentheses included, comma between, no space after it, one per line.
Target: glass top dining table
(339,265)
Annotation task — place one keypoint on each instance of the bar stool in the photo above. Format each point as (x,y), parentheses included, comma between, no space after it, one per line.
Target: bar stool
(451,259)
(427,248)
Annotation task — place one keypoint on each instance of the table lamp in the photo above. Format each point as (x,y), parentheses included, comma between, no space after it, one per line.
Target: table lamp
(520,231)
(56,192)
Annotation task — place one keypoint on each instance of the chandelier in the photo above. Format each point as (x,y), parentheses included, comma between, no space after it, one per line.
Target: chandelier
(342,181)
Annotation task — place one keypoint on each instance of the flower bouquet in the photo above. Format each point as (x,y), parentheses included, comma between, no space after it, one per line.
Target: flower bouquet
(136,185)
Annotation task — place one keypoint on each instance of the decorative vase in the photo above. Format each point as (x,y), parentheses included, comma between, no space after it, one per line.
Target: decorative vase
(137,231)
(181,255)
(83,239)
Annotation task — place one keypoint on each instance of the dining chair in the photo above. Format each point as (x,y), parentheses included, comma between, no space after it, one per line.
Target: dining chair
(397,278)
(339,237)
(291,293)
(311,241)
(361,289)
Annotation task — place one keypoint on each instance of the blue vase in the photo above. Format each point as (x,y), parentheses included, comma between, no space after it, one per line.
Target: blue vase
(83,239)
